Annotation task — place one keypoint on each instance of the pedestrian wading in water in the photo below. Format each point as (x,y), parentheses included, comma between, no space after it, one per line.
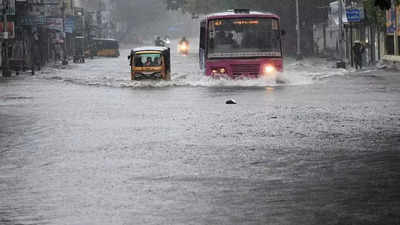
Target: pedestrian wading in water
(358,50)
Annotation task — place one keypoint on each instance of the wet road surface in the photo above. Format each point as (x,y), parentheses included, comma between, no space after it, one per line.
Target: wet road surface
(84,145)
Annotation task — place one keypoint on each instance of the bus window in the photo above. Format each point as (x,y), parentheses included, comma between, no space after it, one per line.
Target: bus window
(203,35)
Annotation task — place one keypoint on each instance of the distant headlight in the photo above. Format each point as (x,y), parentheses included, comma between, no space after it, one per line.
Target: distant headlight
(183,47)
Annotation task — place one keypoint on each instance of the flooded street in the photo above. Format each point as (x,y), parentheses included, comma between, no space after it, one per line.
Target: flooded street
(85,145)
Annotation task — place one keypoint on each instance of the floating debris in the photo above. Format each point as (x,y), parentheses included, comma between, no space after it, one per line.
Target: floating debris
(231,102)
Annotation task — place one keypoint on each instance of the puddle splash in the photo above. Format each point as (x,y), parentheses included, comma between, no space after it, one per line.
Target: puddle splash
(114,72)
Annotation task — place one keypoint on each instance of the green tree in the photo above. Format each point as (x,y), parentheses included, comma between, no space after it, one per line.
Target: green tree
(374,14)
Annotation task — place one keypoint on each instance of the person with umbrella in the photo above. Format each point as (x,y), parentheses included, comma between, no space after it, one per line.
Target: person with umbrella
(358,50)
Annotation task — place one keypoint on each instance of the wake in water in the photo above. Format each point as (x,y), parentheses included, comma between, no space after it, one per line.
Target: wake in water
(115,73)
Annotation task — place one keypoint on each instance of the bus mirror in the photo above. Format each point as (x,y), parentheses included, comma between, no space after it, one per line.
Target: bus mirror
(283,32)
(129,57)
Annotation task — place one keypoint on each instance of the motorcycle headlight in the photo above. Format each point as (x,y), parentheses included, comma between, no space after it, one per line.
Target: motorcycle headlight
(183,47)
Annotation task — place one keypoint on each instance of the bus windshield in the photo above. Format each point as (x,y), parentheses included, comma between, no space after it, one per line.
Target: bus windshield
(245,37)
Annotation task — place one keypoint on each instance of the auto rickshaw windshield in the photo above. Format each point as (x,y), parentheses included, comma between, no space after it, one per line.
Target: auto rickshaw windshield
(147,60)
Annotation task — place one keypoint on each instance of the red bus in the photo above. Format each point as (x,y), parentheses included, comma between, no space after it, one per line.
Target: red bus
(241,43)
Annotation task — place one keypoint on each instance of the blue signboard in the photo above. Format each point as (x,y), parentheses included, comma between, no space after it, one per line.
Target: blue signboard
(31,20)
(353,15)
(69,24)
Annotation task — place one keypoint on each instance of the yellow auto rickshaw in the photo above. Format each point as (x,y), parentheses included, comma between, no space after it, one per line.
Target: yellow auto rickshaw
(150,63)
(106,47)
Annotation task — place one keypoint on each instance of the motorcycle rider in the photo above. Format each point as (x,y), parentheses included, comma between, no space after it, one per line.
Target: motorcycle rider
(159,42)
(184,41)
(183,46)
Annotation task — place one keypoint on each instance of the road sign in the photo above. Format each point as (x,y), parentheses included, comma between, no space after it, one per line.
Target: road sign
(69,24)
(54,23)
(10,34)
(45,2)
(31,20)
(11,7)
(353,15)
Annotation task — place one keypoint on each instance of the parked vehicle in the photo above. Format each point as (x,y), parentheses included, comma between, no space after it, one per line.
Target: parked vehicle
(106,47)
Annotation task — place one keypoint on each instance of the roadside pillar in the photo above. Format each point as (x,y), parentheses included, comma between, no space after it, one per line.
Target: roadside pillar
(298,26)
(64,61)
(5,63)
(351,45)
(396,25)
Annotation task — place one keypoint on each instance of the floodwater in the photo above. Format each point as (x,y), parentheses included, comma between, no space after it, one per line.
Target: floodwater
(85,145)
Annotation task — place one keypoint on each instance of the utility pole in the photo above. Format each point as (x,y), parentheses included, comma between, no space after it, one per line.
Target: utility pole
(396,25)
(64,61)
(341,63)
(299,55)
(5,64)
(341,30)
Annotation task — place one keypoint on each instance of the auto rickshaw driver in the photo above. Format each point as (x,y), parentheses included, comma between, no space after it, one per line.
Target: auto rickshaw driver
(149,62)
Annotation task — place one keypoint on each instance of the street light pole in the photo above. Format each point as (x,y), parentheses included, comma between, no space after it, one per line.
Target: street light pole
(396,25)
(65,61)
(341,30)
(299,55)
(341,63)
(5,63)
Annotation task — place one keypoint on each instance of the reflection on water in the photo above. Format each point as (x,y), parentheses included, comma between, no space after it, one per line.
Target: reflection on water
(75,155)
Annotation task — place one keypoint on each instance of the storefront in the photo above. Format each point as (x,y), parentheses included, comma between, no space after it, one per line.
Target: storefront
(391,29)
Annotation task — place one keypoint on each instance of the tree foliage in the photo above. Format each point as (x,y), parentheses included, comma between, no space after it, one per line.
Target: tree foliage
(375,15)
(138,14)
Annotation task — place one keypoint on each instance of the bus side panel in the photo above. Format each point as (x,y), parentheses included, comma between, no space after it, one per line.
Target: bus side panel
(202,47)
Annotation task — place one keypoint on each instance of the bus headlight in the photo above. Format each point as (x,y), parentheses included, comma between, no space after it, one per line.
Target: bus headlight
(219,71)
(268,69)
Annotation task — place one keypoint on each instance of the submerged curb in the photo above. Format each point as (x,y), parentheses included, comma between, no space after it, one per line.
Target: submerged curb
(392,60)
